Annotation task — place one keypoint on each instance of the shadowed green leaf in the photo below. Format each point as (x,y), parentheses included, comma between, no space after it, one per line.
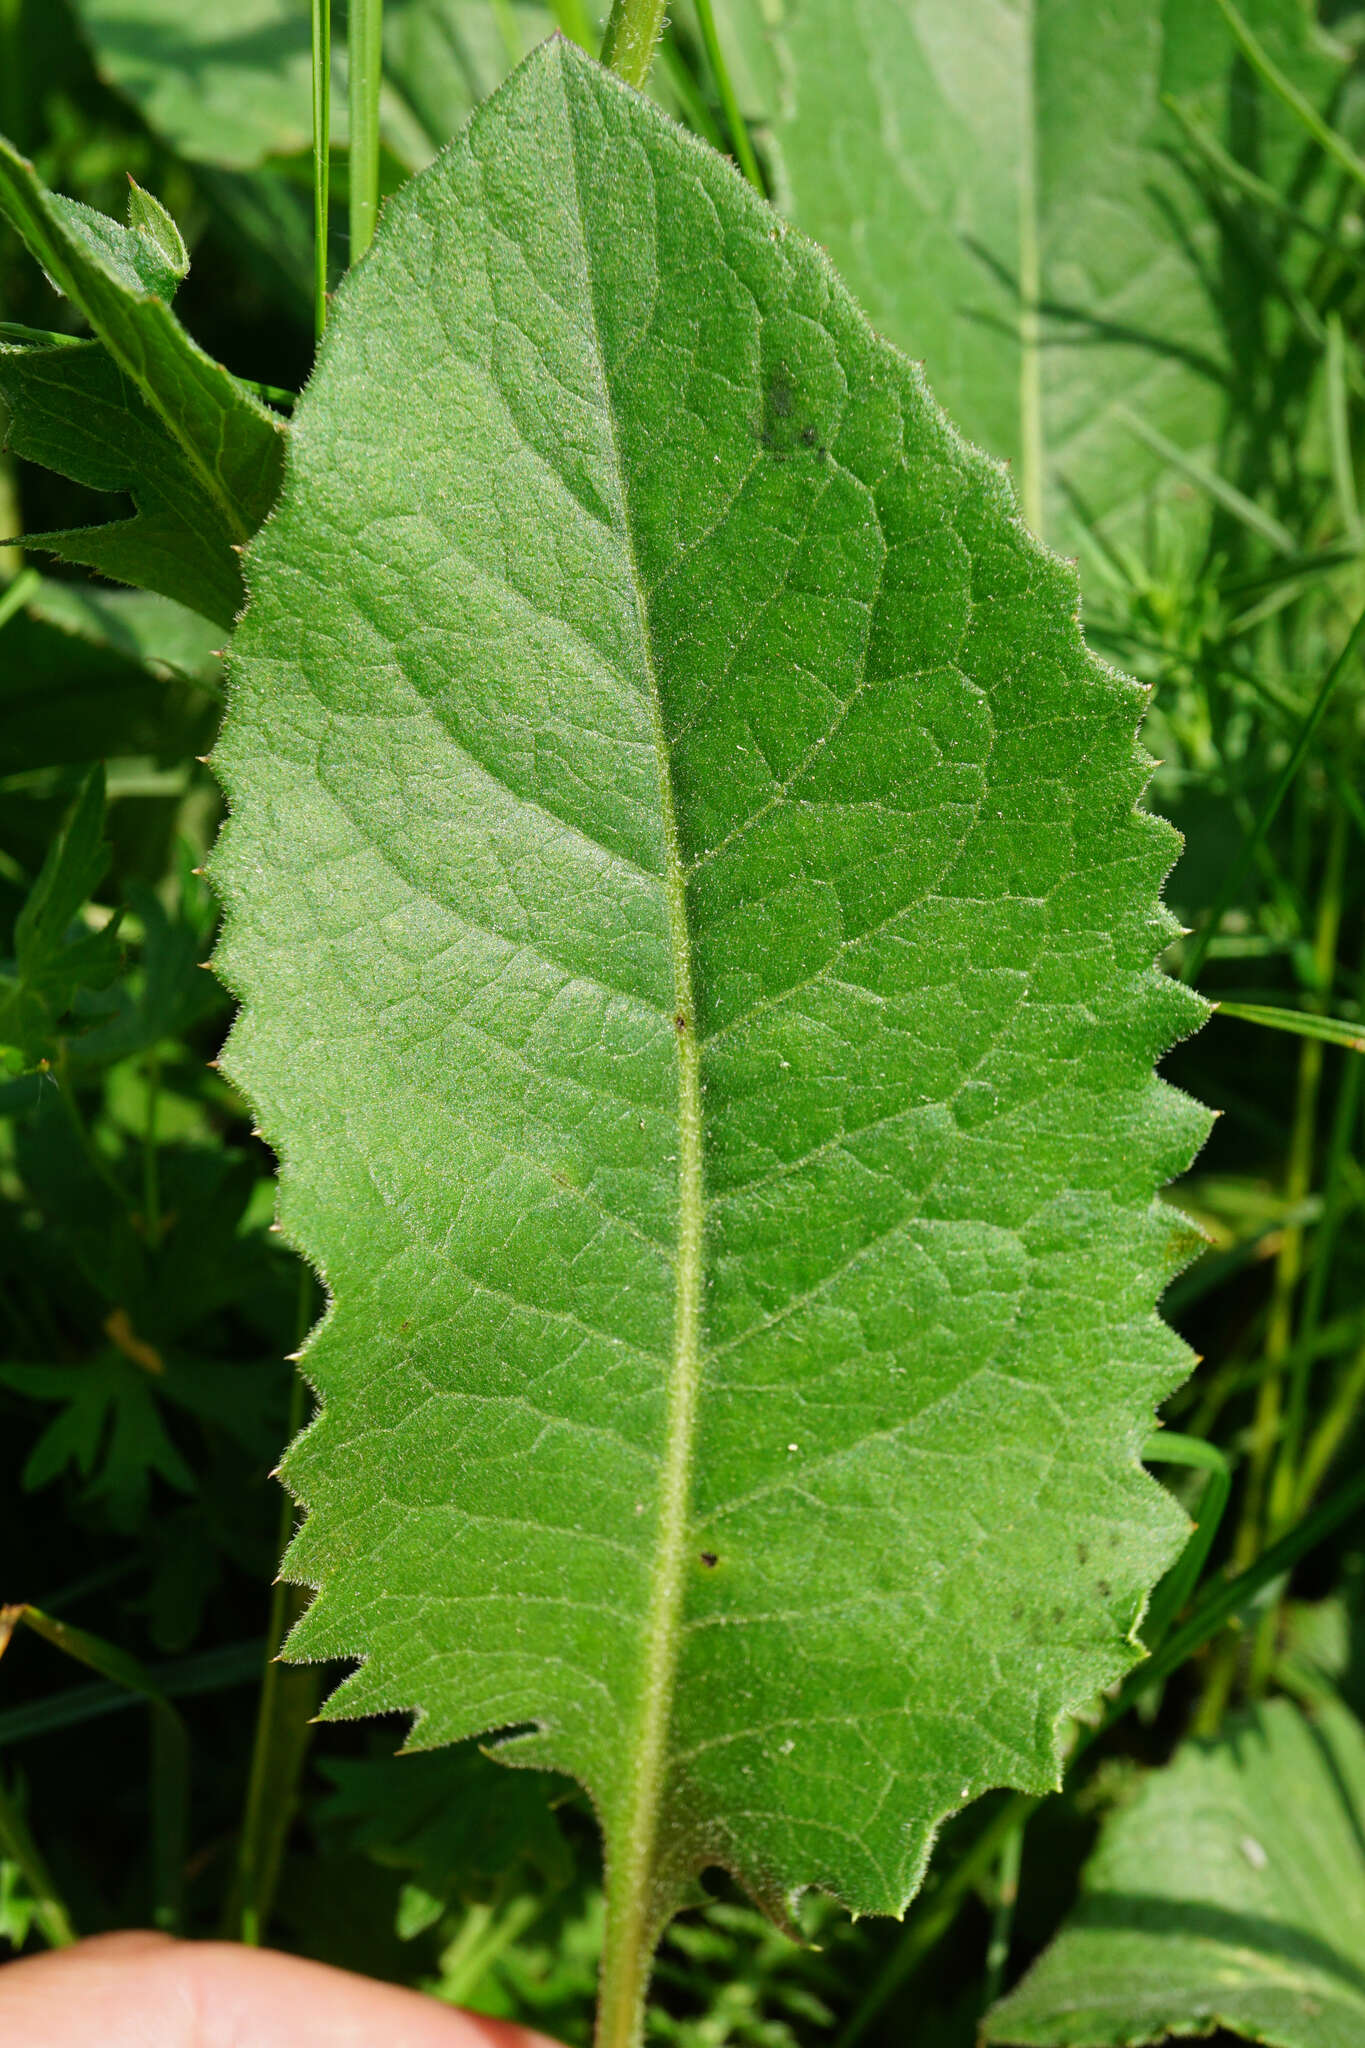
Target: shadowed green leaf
(998,183)
(232,87)
(1231,1893)
(86,672)
(55,955)
(147,411)
(696,940)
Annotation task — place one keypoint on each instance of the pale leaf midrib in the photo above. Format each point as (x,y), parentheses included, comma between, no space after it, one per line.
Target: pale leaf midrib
(632,1853)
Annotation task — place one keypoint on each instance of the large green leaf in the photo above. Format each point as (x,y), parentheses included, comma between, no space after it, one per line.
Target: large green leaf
(200,455)
(1000,185)
(1231,1893)
(696,941)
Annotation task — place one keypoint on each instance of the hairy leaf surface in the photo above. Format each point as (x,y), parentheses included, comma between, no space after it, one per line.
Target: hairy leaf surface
(696,940)
(1000,184)
(1231,1893)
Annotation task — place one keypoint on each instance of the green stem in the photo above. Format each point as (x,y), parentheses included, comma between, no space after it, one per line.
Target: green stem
(1269,810)
(18,1846)
(284,1722)
(1337,1204)
(322,156)
(366,58)
(734,119)
(1273,1430)
(1169,1448)
(631,37)
(17,594)
(1253,187)
(170,1800)
(1332,1431)
(937,1915)
(484,1938)
(1002,1921)
(151,1179)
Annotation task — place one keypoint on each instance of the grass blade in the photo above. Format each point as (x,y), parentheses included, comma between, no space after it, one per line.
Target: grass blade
(365,49)
(1242,508)
(1258,57)
(18,1846)
(1303,1023)
(170,1747)
(322,156)
(1269,810)
(734,118)
(1167,1447)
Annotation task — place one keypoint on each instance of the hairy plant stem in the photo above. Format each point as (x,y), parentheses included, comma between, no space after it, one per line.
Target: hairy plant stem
(365,50)
(632,35)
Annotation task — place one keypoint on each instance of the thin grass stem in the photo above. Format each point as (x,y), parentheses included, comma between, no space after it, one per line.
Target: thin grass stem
(170,1787)
(284,1719)
(1258,57)
(1269,810)
(322,157)
(17,1846)
(365,56)
(1002,1920)
(729,99)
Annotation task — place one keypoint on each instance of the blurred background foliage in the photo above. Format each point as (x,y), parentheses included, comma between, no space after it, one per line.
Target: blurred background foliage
(146,1308)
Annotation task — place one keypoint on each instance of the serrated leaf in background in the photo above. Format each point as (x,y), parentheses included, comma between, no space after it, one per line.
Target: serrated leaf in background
(696,940)
(1229,1893)
(200,455)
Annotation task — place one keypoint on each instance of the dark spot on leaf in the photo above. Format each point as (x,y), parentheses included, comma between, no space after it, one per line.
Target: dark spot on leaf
(1082,1553)
(1058,1616)
(709,1558)
(1016,1614)
(680,1021)
(1103,1588)
(782,396)
(809,436)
